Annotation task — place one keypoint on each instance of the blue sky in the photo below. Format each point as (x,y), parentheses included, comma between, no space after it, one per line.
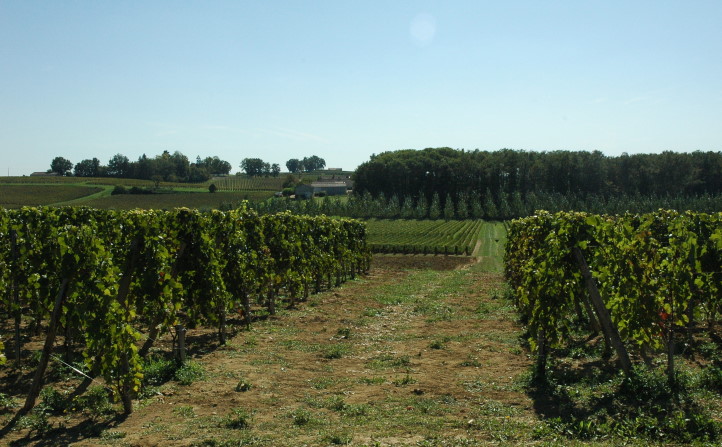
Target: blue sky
(345,79)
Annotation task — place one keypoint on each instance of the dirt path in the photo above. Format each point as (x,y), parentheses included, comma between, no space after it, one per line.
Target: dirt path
(400,357)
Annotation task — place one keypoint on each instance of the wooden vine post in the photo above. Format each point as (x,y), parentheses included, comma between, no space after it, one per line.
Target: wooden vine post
(609,329)
(47,348)
(126,392)
(15,296)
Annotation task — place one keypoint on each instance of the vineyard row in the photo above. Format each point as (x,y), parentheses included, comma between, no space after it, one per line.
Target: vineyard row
(641,280)
(113,282)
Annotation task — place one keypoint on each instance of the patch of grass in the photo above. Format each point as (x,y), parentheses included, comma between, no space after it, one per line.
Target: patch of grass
(335,351)
(338,438)
(322,383)
(389,361)
(189,373)
(372,380)
(109,435)
(344,333)
(185,411)
(372,312)
(157,370)
(406,380)
(238,419)
(36,422)
(472,362)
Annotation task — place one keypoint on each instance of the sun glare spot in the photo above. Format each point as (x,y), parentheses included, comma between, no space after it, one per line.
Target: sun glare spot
(423,29)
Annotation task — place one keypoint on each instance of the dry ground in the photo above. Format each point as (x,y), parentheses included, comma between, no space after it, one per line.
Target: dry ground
(422,351)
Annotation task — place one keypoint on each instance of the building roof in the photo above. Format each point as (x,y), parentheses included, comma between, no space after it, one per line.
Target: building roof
(328,184)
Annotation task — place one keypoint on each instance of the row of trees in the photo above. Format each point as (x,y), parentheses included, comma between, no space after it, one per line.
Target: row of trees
(449,171)
(169,167)
(486,206)
(256,167)
(307,164)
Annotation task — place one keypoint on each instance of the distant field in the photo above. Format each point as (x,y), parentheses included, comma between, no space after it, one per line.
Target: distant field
(244,183)
(435,236)
(204,200)
(16,196)
(130,182)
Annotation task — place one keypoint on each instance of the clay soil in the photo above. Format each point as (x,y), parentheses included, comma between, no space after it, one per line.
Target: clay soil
(423,350)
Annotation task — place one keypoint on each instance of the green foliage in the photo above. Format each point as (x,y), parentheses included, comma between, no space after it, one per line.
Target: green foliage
(53,401)
(126,271)
(7,403)
(157,370)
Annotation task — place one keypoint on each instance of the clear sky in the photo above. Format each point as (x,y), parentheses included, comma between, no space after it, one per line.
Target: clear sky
(343,79)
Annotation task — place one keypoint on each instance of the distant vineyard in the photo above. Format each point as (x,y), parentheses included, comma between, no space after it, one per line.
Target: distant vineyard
(424,236)
(244,183)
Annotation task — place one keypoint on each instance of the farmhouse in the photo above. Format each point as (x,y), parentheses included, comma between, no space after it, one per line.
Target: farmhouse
(321,188)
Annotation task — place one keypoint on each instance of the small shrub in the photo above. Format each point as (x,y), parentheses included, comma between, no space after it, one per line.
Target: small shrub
(301,416)
(212,188)
(120,189)
(239,419)
(335,351)
(243,385)
(95,401)
(54,401)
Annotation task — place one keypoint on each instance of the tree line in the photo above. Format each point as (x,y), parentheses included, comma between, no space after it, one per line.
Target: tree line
(449,172)
(484,206)
(168,167)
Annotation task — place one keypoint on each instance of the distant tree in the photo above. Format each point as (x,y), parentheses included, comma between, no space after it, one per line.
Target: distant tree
(462,207)
(313,163)
(181,167)
(275,169)
(61,166)
(448,208)
(254,166)
(212,188)
(88,168)
(422,207)
(119,166)
(198,174)
(291,181)
(407,209)
(435,207)
(294,165)
(393,208)
(214,165)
